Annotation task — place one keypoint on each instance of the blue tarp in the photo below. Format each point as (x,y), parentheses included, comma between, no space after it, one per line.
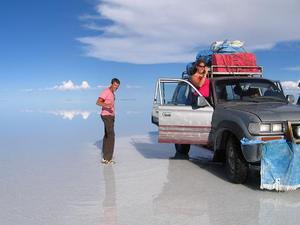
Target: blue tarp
(280,165)
(205,55)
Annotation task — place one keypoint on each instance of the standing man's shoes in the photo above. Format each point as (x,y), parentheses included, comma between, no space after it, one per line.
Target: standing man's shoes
(104,161)
(111,162)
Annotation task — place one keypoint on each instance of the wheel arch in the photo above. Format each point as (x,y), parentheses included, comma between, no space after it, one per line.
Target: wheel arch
(224,131)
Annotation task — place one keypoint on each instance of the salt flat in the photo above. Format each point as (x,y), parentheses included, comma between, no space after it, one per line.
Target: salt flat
(50,173)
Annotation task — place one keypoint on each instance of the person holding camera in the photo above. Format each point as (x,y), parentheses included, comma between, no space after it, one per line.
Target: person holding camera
(199,78)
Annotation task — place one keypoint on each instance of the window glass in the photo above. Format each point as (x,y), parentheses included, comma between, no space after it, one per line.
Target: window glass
(181,95)
(248,90)
(168,92)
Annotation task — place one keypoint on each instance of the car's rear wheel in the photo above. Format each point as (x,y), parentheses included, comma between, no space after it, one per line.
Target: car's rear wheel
(236,166)
(182,148)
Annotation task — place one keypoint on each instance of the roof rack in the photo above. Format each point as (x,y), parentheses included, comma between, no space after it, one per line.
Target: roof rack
(231,71)
(220,70)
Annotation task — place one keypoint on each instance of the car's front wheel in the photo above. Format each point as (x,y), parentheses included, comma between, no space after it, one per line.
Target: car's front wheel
(236,166)
(182,148)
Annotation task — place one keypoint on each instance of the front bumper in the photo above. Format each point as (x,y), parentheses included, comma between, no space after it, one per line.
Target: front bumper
(252,151)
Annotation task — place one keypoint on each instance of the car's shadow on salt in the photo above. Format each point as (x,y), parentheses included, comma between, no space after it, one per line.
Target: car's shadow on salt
(150,149)
(218,169)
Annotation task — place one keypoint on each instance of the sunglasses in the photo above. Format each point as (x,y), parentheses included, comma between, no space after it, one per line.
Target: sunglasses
(201,66)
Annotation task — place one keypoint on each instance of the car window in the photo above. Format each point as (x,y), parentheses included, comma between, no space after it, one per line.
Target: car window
(181,94)
(169,90)
(178,93)
(248,90)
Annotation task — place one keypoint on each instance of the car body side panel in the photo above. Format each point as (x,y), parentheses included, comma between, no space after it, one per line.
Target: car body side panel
(184,125)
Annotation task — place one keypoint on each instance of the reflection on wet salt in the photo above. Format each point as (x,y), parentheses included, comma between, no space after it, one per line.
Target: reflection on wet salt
(109,202)
(65,114)
(274,210)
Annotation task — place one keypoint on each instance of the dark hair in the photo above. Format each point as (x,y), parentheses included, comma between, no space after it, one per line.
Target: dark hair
(192,67)
(200,60)
(115,80)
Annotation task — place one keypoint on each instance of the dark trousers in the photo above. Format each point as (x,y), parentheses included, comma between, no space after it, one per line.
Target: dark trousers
(109,137)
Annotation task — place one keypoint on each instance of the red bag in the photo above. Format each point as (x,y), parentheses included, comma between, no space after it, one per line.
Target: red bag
(235,62)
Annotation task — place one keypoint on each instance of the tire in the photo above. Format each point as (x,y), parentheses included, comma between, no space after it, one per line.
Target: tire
(182,148)
(236,166)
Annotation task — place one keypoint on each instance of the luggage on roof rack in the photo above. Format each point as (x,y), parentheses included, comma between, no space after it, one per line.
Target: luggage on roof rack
(227,58)
(235,63)
(227,46)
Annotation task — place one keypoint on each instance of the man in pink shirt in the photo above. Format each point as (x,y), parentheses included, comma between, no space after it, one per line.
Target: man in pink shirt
(107,101)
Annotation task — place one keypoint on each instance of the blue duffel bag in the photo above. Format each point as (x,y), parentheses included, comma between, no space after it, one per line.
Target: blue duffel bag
(205,55)
(190,68)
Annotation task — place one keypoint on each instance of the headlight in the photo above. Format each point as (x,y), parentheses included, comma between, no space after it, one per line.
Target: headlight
(296,131)
(265,127)
(277,127)
(257,128)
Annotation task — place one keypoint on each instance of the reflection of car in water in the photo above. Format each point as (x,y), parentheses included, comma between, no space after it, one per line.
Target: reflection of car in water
(238,106)
(195,198)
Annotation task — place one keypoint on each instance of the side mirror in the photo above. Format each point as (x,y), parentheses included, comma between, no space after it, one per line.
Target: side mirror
(201,102)
(290,99)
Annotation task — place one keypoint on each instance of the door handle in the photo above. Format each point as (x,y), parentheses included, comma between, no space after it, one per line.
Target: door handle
(166,114)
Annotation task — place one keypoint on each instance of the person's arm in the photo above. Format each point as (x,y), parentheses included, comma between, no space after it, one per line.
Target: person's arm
(101,102)
(202,79)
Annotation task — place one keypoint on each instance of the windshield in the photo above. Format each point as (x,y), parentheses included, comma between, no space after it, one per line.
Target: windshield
(248,90)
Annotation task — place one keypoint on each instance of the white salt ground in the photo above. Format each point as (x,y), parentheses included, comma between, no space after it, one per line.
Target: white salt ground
(66,184)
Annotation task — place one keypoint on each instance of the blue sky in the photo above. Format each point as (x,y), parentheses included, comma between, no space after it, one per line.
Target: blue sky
(49,46)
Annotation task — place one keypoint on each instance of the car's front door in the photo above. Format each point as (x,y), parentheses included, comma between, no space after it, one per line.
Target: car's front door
(180,120)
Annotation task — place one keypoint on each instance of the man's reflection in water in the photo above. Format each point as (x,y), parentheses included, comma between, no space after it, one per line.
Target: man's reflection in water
(109,202)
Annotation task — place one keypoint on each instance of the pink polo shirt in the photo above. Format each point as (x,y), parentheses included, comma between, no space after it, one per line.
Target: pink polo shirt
(109,97)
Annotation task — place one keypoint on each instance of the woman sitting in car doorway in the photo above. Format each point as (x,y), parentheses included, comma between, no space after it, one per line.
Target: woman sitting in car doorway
(199,78)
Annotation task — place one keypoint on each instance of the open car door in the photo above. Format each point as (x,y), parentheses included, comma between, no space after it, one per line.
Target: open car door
(182,116)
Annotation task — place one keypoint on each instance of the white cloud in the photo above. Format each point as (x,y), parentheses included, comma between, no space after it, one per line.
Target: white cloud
(173,31)
(69,85)
(288,85)
(295,68)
